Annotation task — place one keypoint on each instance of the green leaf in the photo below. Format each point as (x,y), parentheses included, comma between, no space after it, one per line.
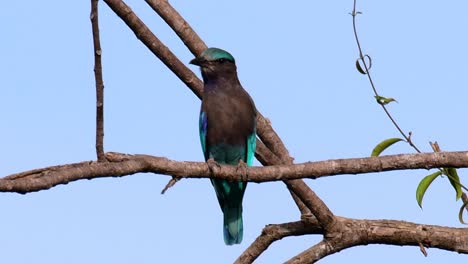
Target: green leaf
(384,145)
(361,69)
(424,184)
(460,214)
(455,181)
(384,100)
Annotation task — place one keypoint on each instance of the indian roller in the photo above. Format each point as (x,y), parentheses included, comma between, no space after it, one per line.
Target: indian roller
(227,127)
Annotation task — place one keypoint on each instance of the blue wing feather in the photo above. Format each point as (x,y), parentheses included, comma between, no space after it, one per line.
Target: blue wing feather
(251,145)
(203,128)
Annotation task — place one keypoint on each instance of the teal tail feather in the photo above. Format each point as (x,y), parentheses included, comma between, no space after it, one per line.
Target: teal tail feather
(233,226)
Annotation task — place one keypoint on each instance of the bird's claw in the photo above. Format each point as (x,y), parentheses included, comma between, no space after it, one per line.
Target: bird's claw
(242,170)
(213,166)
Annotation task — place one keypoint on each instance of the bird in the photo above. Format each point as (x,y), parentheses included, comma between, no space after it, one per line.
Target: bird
(227,127)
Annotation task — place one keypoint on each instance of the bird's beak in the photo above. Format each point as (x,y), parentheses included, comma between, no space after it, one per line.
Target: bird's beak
(197,61)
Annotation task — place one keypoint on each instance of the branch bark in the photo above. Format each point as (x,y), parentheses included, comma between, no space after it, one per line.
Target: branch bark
(120,165)
(99,81)
(144,34)
(357,232)
(272,233)
(173,19)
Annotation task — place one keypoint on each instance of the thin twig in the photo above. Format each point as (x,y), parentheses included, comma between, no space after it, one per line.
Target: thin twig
(407,137)
(465,200)
(171,183)
(422,249)
(99,82)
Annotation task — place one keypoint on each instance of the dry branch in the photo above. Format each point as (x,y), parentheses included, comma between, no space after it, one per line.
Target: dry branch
(357,232)
(344,232)
(99,81)
(173,19)
(272,233)
(119,165)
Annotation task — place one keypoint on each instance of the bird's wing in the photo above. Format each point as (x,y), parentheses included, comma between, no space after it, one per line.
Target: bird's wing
(251,145)
(203,126)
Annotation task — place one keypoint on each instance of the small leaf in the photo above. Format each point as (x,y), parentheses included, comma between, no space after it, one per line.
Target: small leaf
(361,69)
(384,145)
(384,100)
(424,184)
(354,13)
(460,214)
(455,181)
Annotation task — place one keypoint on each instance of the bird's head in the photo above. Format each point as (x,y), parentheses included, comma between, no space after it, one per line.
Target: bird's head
(214,62)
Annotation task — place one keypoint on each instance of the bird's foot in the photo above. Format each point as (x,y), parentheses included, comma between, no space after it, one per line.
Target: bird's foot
(213,166)
(242,170)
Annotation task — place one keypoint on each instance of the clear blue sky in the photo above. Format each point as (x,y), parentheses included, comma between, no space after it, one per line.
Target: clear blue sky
(297,62)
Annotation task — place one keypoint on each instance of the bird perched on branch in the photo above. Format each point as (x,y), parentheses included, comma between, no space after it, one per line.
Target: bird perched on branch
(227,132)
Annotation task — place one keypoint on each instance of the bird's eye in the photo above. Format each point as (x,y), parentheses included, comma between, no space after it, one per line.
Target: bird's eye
(222,60)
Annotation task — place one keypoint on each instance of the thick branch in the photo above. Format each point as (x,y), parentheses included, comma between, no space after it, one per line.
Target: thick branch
(123,165)
(150,40)
(99,82)
(318,208)
(356,232)
(314,253)
(185,32)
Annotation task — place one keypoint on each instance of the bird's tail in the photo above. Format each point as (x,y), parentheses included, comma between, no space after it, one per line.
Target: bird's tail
(233,227)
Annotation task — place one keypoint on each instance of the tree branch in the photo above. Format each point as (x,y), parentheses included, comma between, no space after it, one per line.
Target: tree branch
(318,208)
(144,34)
(313,254)
(173,19)
(99,82)
(356,232)
(272,233)
(123,164)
